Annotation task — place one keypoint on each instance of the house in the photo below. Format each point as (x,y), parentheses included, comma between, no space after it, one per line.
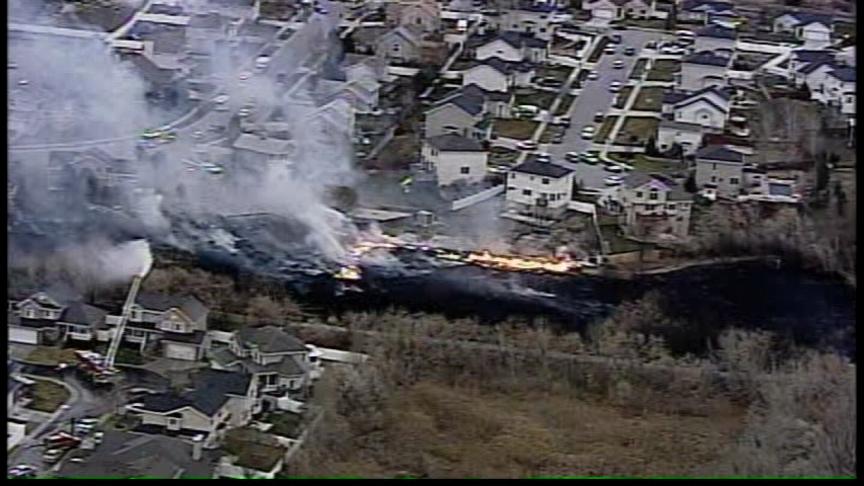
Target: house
(360,66)
(454,158)
(83,322)
(176,324)
(720,168)
(461,114)
(34,319)
(703,69)
(811,28)
(260,150)
(423,15)
(532,19)
(686,135)
(125,455)
(400,44)
(704,11)
(216,401)
(540,189)
(838,89)
(278,362)
(494,74)
(496,103)
(708,107)
(513,47)
(800,58)
(653,206)
(714,37)
(619,9)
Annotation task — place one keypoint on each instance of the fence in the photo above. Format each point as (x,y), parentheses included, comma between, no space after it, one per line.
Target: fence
(476,198)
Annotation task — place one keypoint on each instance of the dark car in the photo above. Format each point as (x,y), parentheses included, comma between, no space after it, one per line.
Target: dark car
(630,51)
(615,39)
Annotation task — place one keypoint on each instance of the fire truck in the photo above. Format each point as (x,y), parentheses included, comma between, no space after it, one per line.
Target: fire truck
(93,366)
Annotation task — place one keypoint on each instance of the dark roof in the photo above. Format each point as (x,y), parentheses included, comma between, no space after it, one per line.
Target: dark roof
(804,18)
(695,99)
(192,307)
(455,143)
(212,388)
(636,179)
(812,55)
(85,314)
(542,169)
(719,153)
(471,104)
(707,58)
(717,32)
(845,74)
(711,6)
(672,97)
(270,339)
(196,337)
(813,66)
(477,91)
(519,40)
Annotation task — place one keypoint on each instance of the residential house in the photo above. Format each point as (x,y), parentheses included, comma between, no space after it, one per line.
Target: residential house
(424,15)
(83,322)
(714,37)
(703,69)
(688,136)
(176,324)
(801,58)
(214,402)
(704,11)
(125,455)
(619,9)
(494,74)
(278,362)
(539,189)
(454,158)
(654,206)
(514,47)
(401,44)
(810,28)
(495,103)
(839,89)
(362,67)
(34,319)
(708,107)
(260,150)
(721,169)
(532,19)
(460,114)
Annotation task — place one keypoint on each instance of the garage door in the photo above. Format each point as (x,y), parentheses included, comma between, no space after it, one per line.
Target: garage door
(179,351)
(604,13)
(23,335)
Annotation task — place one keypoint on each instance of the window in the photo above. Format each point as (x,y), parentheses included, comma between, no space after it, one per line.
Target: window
(395,47)
(733,180)
(526,192)
(650,207)
(713,179)
(544,180)
(653,195)
(173,423)
(638,193)
(670,206)
(418,21)
(465,170)
(542,29)
(713,166)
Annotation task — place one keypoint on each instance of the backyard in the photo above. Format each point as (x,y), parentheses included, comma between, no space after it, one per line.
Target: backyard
(605,129)
(663,70)
(649,99)
(48,396)
(637,130)
(502,156)
(513,128)
(254,449)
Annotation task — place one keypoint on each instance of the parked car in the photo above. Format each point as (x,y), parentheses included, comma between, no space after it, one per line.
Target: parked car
(588,132)
(618,64)
(526,145)
(630,51)
(615,86)
(599,116)
(589,158)
(613,180)
(592,75)
(609,51)
(542,157)
(558,139)
(572,156)
(614,168)
(22,471)
(615,39)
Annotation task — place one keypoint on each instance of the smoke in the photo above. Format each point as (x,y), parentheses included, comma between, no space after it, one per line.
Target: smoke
(102,193)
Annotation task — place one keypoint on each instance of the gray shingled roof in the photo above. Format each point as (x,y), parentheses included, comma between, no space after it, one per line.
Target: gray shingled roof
(212,390)
(455,143)
(84,314)
(813,66)
(270,339)
(845,74)
(719,153)
(470,104)
(717,32)
(518,40)
(477,91)
(542,169)
(812,55)
(192,307)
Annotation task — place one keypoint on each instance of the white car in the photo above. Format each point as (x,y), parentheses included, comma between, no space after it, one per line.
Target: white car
(613,180)
(614,168)
(543,157)
(609,51)
(22,470)
(615,86)
(672,50)
(221,99)
(588,132)
(572,156)
(618,64)
(593,75)
(198,135)
(245,75)
(23,82)
(526,145)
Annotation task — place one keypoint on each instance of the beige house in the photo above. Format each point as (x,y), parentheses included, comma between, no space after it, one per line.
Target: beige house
(177,324)
(424,15)
(720,169)
(454,158)
(539,189)
(654,207)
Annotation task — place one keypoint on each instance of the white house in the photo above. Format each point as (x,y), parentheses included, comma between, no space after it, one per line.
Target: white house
(401,44)
(839,89)
(708,108)
(540,189)
(513,47)
(811,28)
(493,74)
(177,323)
(455,158)
(704,11)
(721,169)
(529,19)
(460,114)
(702,70)
(800,58)
(687,135)
(619,9)
(654,207)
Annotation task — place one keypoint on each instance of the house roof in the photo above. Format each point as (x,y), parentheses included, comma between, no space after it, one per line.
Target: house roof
(211,391)
(454,143)
(477,91)
(812,55)
(717,32)
(813,66)
(404,32)
(545,169)
(519,40)
(85,314)
(707,58)
(504,67)
(708,6)
(696,99)
(805,18)
(127,455)
(472,105)
(270,339)
(672,97)
(719,153)
(636,179)
(191,306)
(845,74)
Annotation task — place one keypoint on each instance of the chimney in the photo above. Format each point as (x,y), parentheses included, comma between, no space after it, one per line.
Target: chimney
(197,446)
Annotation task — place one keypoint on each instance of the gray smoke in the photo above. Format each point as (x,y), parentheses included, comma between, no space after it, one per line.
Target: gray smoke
(85,92)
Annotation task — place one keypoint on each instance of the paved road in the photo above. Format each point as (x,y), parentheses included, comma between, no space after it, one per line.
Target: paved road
(595,96)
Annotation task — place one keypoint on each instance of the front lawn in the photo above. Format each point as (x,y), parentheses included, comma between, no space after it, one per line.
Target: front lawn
(558,72)
(605,129)
(51,356)
(644,163)
(622,97)
(638,69)
(663,70)
(565,105)
(48,396)
(541,99)
(637,130)
(649,99)
(550,132)
(502,156)
(513,128)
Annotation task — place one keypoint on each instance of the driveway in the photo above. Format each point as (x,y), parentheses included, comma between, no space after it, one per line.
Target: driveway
(596,97)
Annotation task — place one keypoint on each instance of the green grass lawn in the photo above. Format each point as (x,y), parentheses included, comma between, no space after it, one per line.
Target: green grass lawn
(622,97)
(48,396)
(51,356)
(541,99)
(512,128)
(649,164)
(605,128)
(637,130)
(649,99)
(663,70)
(565,105)
(638,69)
(550,132)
